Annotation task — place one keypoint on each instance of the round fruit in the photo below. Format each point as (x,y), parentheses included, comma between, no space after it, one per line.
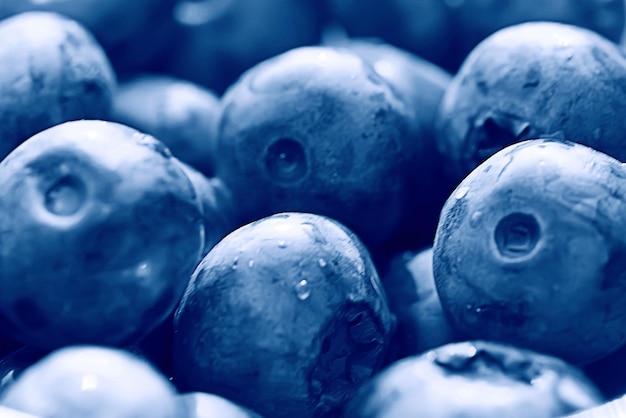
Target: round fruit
(57,73)
(535,80)
(93,381)
(180,114)
(99,234)
(475,379)
(284,316)
(475,20)
(531,250)
(132,33)
(317,130)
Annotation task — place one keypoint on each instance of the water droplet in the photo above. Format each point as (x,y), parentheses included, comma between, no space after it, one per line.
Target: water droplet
(322,262)
(460,194)
(282,244)
(251,263)
(66,196)
(235,262)
(303,290)
(475,218)
(285,160)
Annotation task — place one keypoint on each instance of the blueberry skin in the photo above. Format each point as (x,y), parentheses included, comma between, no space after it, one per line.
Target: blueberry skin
(475,20)
(58,73)
(135,35)
(115,228)
(179,113)
(534,80)
(205,405)
(412,295)
(317,130)
(96,382)
(422,85)
(475,379)
(531,250)
(284,316)
(219,40)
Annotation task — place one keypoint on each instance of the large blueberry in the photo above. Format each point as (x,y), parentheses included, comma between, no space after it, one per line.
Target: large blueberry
(531,250)
(54,72)
(284,316)
(317,130)
(535,80)
(100,230)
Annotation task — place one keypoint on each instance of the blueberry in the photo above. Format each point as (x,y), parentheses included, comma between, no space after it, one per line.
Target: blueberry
(475,379)
(93,381)
(101,230)
(284,316)
(530,250)
(317,130)
(475,20)
(57,73)
(133,34)
(179,113)
(534,80)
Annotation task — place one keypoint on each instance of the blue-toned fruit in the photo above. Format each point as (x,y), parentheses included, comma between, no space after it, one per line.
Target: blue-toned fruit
(133,33)
(475,379)
(100,232)
(531,250)
(179,113)
(284,316)
(475,20)
(57,73)
(317,130)
(534,80)
(92,381)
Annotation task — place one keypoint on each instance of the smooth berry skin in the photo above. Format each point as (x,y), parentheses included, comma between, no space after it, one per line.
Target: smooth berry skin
(179,113)
(530,250)
(93,381)
(58,73)
(475,379)
(114,225)
(317,130)
(533,80)
(284,316)
(135,35)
